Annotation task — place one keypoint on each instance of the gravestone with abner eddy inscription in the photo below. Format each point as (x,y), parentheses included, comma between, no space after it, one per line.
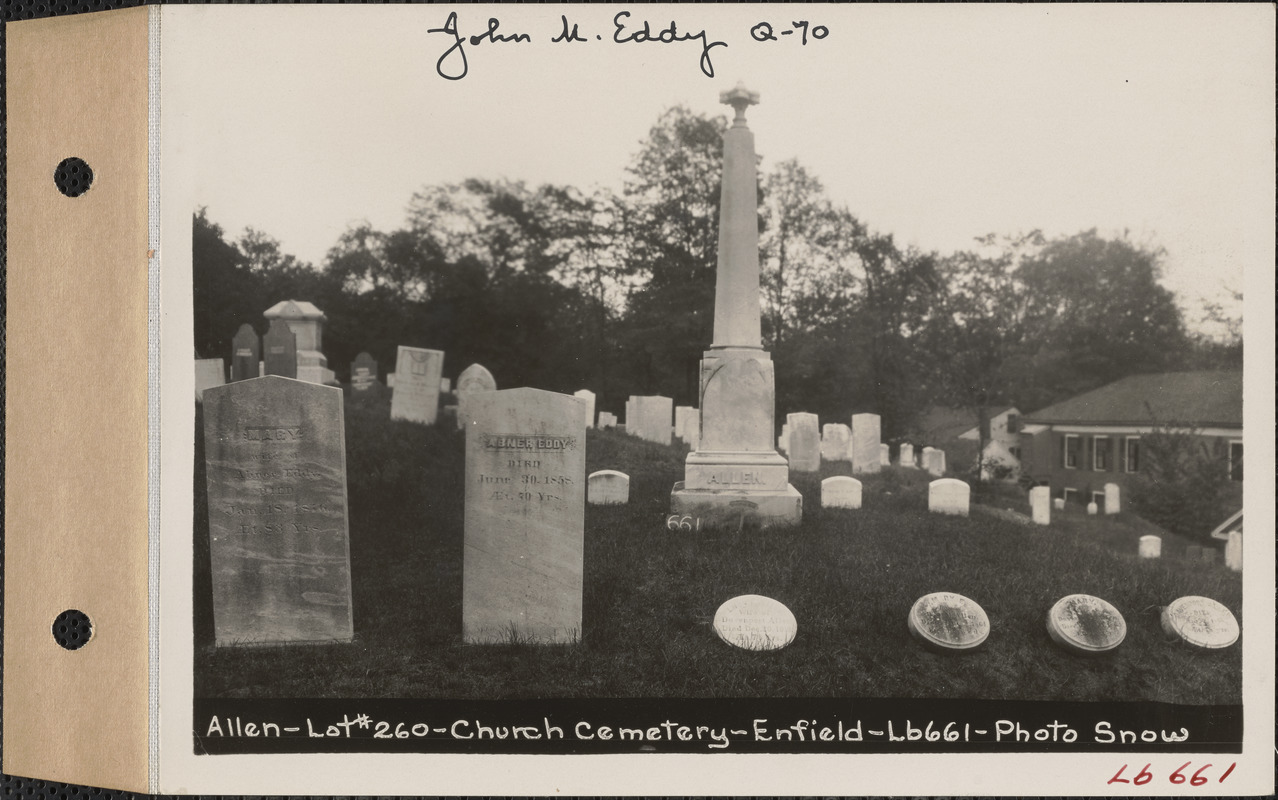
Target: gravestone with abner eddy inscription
(525,517)
(278,534)
(416,385)
(246,354)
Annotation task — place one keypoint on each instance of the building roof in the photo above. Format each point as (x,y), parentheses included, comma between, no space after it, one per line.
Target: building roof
(1205,399)
(940,425)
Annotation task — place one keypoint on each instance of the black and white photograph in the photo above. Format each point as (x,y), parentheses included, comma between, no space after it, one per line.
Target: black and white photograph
(642,380)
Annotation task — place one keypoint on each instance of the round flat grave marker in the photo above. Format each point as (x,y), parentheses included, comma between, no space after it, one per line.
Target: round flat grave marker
(1201,622)
(1085,624)
(755,622)
(949,622)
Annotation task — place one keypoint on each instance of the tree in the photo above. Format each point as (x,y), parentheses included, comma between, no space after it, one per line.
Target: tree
(1183,484)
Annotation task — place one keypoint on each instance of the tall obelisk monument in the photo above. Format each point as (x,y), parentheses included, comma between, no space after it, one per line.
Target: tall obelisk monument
(735,471)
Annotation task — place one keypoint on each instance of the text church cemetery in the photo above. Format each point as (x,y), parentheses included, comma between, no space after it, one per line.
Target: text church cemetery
(498,540)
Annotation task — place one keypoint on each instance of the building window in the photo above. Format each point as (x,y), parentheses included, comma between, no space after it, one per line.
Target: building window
(1102,461)
(1099,499)
(1070,495)
(1071,445)
(1132,445)
(1015,450)
(1235,461)
(1013,423)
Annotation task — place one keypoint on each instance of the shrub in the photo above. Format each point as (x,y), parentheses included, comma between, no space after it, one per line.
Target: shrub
(1183,484)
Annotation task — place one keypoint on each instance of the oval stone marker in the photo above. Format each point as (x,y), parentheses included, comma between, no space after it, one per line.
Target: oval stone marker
(1085,624)
(1200,621)
(948,621)
(755,622)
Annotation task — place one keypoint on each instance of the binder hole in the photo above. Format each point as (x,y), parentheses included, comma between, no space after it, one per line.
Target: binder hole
(72,629)
(73,177)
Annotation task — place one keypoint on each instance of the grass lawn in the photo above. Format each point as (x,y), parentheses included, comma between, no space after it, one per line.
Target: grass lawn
(850,577)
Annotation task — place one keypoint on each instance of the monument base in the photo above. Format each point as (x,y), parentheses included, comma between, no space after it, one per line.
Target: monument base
(724,508)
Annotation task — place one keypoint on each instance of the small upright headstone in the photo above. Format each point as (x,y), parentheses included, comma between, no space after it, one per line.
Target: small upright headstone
(948,622)
(805,442)
(1092,509)
(885,455)
(652,415)
(209,372)
(906,458)
(948,496)
(363,372)
(836,442)
(607,420)
(1234,551)
(1112,503)
(1058,503)
(783,441)
(390,380)
(589,397)
(1040,498)
(416,386)
(1086,625)
(1150,546)
(524,520)
(682,416)
(246,354)
(840,491)
(445,385)
(934,461)
(280,350)
(1201,622)
(607,487)
(866,437)
(307,323)
(755,622)
(474,379)
(278,537)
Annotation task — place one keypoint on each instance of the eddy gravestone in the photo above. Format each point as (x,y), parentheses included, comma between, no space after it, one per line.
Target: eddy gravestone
(525,517)
(278,537)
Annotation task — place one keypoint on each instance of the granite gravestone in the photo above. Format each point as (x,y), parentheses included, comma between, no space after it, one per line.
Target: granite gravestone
(755,622)
(1040,498)
(866,437)
(473,380)
(607,487)
(948,496)
(804,445)
(1086,625)
(416,386)
(246,354)
(209,372)
(278,538)
(279,347)
(840,491)
(524,518)
(945,621)
(589,398)
(363,372)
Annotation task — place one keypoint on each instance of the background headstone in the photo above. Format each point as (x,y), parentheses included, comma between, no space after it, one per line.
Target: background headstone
(906,459)
(209,372)
(589,398)
(416,386)
(652,418)
(1234,551)
(246,354)
(445,385)
(306,321)
(692,430)
(607,420)
(1112,504)
(804,445)
(390,380)
(836,442)
(681,416)
(1086,624)
(363,372)
(866,437)
(607,487)
(524,519)
(1092,509)
(948,496)
(783,441)
(1150,546)
(474,379)
(754,622)
(278,535)
(279,350)
(885,455)
(1040,498)
(1058,503)
(840,491)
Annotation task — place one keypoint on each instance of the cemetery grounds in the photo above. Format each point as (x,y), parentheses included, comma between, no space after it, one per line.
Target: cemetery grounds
(651,591)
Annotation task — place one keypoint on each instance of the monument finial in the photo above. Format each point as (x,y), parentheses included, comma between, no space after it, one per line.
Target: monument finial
(740,98)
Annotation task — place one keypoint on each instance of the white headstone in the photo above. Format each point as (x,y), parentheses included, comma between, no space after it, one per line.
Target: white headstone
(1234,551)
(1112,503)
(589,397)
(805,442)
(390,380)
(524,520)
(1058,503)
(416,384)
(948,496)
(652,416)
(209,372)
(885,455)
(682,415)
(836,442)
(473,380)
(840,491)
(692,430)
(783,441)
(1150,546)
(754,622)
(1040,498)
(607,420)
(607,487)
(906,458)
(1092,509)
(445,385)
(933,461)
(866,437)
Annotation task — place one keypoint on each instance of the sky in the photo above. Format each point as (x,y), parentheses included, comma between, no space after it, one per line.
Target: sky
(936,124)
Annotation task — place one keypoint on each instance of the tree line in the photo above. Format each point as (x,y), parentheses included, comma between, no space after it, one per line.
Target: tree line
(565,288)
